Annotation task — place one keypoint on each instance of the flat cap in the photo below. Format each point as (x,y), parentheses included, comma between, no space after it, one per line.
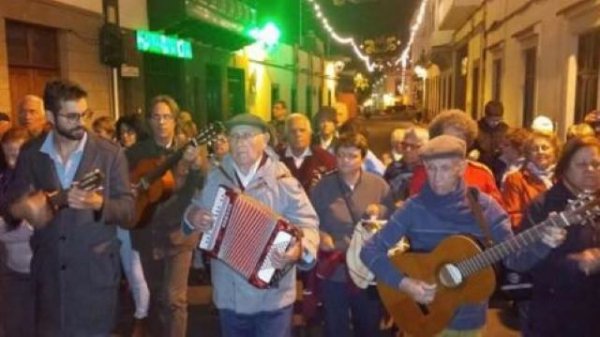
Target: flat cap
(443,146)
(247,119)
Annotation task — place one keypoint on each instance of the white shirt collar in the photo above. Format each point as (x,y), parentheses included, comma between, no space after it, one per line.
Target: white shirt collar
(300,159)
(245,179)
(396,156)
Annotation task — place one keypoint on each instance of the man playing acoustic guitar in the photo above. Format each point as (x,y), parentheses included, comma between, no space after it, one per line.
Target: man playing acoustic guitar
(442,209)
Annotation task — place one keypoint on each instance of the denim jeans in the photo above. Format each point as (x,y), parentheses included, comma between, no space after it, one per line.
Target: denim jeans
(132,265)
(345,304)
(276,323)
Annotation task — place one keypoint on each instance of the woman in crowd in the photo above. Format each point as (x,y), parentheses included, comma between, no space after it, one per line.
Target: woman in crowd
(129,131)
(512,154)
(17,313)
(566,284)
(341,200)
(535,177)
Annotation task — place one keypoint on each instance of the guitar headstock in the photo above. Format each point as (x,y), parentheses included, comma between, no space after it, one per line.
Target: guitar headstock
(208,133)
(583,210)
(91,180)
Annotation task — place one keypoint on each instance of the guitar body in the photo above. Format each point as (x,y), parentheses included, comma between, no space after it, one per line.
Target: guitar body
(160,189)
(426,321)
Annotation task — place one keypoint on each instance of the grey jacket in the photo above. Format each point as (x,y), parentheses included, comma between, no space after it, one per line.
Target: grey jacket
(274,186)
(75,266)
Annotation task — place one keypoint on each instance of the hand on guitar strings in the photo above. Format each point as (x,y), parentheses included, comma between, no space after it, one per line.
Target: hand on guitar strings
(200,218)
(291,255)
(83,199)
(588,261)
(419,291)
(192,157)
(553,236)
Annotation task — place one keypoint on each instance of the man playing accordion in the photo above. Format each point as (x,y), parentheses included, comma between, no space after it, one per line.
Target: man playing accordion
(245,310)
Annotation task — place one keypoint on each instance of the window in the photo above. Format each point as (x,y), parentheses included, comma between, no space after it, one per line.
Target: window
(588,59)
(530,59)
(497,79)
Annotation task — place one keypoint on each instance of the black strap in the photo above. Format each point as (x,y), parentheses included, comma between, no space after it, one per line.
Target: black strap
(472,196)
(348,202)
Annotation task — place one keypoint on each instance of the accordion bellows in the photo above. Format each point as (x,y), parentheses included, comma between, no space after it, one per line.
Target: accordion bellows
(245,234)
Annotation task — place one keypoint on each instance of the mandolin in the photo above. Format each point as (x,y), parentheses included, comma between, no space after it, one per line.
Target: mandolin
(153,180)
(463,272)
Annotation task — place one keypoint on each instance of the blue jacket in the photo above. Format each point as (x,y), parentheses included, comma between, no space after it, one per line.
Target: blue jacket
(426,219)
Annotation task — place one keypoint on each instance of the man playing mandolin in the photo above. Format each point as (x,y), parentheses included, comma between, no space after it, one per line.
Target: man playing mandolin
(165,253)
(441,210)
(75,266)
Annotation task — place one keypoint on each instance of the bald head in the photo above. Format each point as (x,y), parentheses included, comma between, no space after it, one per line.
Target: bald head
(31,114)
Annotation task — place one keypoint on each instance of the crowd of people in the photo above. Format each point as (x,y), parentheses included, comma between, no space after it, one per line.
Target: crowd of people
(66,240)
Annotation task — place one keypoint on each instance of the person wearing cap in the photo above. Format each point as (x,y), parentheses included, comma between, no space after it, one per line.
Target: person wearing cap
(491,133)
(457,123)
(543,124)
(441,209)
(324,122)
(245,310)
(164,252)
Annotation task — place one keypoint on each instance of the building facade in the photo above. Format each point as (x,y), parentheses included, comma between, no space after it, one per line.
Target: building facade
(538,57)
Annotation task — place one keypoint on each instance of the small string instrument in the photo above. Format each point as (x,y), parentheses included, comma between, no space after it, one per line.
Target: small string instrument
(153,180)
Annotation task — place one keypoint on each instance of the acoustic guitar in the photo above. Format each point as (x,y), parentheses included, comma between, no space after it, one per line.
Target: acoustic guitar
(463,272)
(153,180)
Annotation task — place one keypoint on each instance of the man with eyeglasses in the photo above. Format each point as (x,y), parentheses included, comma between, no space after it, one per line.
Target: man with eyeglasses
(399,173)
(246,311)
(165,253)
(75,266)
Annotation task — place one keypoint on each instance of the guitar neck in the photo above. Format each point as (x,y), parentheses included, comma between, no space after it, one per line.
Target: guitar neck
(498,252)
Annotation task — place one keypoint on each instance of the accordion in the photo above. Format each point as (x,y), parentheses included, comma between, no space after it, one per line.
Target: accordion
(245,234)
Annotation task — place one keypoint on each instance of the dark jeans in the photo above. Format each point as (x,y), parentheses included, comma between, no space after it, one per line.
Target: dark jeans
(168,283)
(276,323)
(345,304)
(18,304)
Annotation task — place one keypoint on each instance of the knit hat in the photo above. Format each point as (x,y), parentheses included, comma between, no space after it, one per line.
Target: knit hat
(247,119)
(543,124)
(444,146)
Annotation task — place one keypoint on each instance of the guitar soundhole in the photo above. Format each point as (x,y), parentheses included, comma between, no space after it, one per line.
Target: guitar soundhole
(450,276)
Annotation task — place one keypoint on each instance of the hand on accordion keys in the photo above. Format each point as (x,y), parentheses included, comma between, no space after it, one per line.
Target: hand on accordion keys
(200,218)
(291,255)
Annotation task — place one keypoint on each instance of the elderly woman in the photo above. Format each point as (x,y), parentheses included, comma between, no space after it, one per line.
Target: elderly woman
(535,177)
(341,200)
(566,284)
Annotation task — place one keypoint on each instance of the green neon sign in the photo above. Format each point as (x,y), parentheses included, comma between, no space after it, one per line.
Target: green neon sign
(155,43)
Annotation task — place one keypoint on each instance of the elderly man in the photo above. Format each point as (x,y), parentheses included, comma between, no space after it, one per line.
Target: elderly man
(399,173)
(31,115)
(440,210)
(457,123)
(243,309)
(306,163)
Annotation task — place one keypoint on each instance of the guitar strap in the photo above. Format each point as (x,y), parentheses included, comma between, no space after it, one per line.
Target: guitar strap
(472,197)
(348,202)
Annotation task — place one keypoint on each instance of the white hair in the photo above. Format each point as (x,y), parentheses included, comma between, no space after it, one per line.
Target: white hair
(296,115)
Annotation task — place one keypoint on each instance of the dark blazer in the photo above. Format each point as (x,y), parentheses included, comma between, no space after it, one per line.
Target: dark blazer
(75,265)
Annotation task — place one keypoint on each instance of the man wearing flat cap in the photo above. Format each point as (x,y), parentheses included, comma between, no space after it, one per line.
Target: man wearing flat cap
(439,210)
(243,309)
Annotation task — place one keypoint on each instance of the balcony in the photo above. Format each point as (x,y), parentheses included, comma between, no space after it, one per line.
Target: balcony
(452,14)
(220,23)
(441,38)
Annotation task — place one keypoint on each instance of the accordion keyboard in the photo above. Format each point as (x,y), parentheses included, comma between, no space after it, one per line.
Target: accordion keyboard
(209,238)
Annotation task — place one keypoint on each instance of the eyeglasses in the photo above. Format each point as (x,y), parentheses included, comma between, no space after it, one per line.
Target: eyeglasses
(159,118)
(76,117)
(594,165)
(242,136)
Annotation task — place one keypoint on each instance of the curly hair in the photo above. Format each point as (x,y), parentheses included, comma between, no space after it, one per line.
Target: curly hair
(457,119)
(352,139)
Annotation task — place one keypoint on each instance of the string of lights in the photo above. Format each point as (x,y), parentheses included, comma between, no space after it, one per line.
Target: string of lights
(404,56)
(371,66)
